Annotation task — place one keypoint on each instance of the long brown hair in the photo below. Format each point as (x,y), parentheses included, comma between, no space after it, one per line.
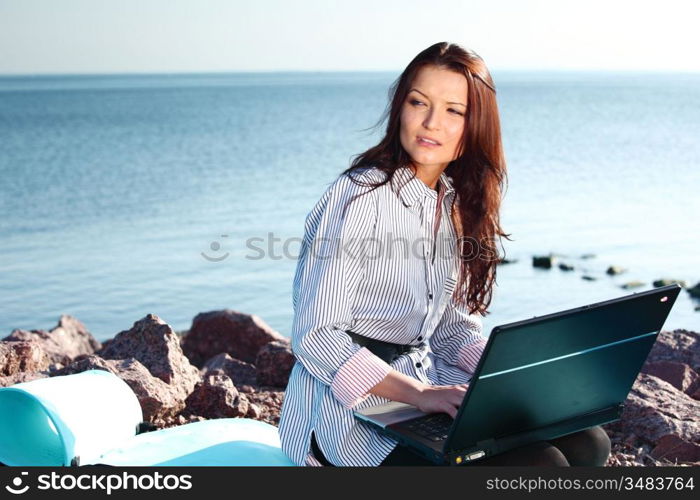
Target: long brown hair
(478,174)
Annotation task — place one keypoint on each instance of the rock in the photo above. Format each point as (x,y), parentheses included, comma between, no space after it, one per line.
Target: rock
(693,389)
(254,412)
(507,261)
(632,284)
(543,261)
(240,372)
(631,440)
(269,403)
(695,291)
(20,377)
(105,344)
(165,422)
(566,267)
(22,356)
(666,282)
(240,335)
(84,363)
(679,375)
(274,364)
(216,397)
(588,256)
(679,345)
(156,346)
(613,270)
(671,447)
(158,399)
(66,341)
(57,366)
(588,278)
(655,408)
(695,393)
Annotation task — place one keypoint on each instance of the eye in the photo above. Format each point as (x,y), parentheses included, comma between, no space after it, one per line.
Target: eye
(456,112)
(415,102)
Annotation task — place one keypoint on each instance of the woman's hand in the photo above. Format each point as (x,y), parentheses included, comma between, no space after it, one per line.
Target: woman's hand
(428,398)
(441,398)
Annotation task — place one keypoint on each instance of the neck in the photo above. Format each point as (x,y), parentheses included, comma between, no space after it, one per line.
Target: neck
(429,175)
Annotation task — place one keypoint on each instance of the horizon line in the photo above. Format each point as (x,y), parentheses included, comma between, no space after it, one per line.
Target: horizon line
(332,71)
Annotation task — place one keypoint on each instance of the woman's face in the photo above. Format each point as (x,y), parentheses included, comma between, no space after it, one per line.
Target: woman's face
(434,109)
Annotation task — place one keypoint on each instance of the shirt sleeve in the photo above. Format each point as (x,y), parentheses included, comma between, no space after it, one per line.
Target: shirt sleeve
(457,339)
(330,267)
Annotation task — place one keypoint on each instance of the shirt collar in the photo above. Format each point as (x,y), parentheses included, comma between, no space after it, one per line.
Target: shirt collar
(411,189)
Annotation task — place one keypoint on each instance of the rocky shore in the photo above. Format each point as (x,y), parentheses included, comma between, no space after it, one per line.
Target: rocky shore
(231,364)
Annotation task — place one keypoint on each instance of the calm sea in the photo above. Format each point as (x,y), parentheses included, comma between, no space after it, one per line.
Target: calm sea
(116,189)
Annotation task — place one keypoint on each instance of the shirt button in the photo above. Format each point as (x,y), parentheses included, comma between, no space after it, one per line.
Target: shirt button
(420,338)
(430,296)
(418,365)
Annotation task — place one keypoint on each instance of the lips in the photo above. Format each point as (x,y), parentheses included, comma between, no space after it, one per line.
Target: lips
(427,141)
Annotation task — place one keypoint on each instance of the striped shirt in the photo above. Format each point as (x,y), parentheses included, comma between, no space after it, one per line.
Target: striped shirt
(383,266)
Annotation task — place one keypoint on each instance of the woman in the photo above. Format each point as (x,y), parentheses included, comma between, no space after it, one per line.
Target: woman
(384,307)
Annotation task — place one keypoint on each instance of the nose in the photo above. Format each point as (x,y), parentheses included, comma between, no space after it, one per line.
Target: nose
(431,121)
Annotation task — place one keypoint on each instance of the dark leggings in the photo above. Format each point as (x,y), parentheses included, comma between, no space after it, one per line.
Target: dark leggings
(589,447)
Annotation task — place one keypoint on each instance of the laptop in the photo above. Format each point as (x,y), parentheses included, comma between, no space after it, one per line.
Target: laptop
(538,379)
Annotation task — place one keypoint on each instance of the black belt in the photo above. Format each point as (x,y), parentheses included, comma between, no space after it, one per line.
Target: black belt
(384,350)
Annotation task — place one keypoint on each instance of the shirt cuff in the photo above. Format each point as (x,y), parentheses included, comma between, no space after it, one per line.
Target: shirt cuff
(470,354)
(357,376)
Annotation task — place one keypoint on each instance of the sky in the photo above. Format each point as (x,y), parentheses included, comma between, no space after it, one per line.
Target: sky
(163,36)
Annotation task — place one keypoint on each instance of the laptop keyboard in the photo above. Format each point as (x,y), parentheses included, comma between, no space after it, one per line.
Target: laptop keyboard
(434,427)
